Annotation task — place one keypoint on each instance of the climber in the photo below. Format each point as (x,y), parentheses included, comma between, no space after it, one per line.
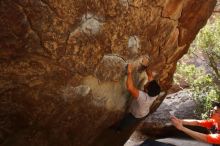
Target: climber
(213,125)
(142,100)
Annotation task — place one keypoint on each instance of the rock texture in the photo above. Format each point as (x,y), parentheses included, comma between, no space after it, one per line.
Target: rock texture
(62,63)
(179,104)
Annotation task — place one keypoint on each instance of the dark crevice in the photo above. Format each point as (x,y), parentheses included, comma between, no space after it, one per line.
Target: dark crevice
(178,40)
(161,13)
(66,40)
(51,8)
(28,20)
(159,51)
(168,18)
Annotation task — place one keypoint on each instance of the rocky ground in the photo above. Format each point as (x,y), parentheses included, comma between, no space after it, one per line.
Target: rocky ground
(181,105)
(136,141)
(137,138)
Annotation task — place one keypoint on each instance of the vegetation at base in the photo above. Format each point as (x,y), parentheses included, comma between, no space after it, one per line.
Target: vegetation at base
(204,81)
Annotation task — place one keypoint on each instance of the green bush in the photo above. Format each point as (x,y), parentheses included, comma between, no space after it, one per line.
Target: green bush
(204,85)
(201,87)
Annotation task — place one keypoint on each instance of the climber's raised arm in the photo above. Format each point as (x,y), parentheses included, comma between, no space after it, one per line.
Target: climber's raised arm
(130,85)
(149,75)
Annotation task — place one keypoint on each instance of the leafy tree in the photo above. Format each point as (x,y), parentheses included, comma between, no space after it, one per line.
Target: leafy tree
(204,82)
(208,41)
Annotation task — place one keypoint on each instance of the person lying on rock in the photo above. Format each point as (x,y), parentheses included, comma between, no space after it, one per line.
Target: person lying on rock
(212,124)
(142,100)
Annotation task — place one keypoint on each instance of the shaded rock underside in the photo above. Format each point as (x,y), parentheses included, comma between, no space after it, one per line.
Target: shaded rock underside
(62,63)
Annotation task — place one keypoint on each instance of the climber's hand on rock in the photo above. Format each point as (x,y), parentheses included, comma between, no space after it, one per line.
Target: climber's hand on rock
(172,117)
(177,122)
(145,61)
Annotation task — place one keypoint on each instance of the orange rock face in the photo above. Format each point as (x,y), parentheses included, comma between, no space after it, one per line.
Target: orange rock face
(63,63)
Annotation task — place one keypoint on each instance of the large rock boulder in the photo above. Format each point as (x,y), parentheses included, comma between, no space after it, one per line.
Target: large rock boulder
(62,77)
